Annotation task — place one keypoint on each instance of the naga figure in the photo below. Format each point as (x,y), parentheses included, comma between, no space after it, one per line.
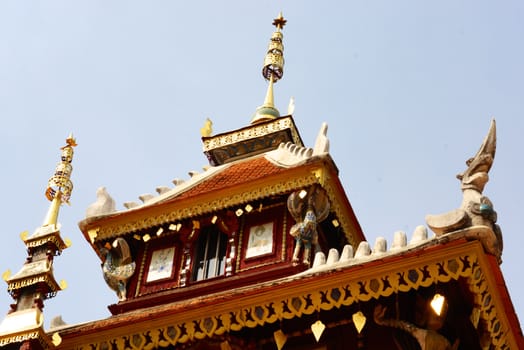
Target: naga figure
(427,339)
(476,209)
(118,266)
(308,208)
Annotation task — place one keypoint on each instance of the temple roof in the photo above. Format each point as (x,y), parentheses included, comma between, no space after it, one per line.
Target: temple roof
(345,278)
(235,175)
(229,186)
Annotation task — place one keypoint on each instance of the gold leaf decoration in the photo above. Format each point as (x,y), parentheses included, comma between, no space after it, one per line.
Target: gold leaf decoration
(318,328)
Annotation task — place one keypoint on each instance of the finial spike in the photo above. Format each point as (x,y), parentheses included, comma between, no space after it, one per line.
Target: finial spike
(272,71)
(279,22)
(269,100)
(207,129)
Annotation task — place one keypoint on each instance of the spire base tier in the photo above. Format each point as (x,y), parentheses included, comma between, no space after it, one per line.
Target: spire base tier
(260,137)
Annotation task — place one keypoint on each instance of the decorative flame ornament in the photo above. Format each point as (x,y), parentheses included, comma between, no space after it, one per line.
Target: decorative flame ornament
(6,275)
(207,129)
(56,339)
(318,328)
(437,303)
(63,284)
(359,320)
(24,235)
(280,339)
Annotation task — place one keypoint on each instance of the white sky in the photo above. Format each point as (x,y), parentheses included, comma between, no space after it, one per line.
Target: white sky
(408,90)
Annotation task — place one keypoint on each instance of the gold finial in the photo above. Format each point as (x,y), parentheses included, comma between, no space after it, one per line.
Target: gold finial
(24,235)
(6,275)
(59,186)
(207,129)
(272,71)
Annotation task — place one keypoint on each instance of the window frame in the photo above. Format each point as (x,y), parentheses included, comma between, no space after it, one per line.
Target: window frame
(202,254)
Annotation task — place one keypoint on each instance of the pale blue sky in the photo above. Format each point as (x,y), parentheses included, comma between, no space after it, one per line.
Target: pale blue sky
(408,89)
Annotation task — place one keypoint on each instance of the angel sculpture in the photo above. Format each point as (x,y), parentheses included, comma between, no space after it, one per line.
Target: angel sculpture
(308,208)
(118,266)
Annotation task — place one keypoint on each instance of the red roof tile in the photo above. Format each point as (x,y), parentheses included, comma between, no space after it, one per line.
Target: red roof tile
(234,175)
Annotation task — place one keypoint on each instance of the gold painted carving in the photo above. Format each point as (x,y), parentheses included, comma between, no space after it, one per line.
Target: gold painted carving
(252,132)
(28,335)
(106,232)
(326,298)
(218,203)
(19,284)
(56,240)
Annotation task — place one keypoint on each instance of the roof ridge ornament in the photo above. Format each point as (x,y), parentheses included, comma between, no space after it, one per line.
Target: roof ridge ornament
(476,209)
(272,71)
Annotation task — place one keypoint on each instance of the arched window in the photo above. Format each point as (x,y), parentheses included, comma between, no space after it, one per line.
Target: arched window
(209,254)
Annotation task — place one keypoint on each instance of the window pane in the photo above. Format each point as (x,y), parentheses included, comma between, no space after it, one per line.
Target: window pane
(209,254)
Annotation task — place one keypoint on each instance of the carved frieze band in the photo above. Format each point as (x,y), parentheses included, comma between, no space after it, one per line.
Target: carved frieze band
(106,232)
(19,338)
(31,280)
(56,240)
(319,176)
(352,291)
(251,132)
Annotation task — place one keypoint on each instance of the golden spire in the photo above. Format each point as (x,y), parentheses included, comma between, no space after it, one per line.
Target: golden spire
(23,327)
(272,71)
(59,186)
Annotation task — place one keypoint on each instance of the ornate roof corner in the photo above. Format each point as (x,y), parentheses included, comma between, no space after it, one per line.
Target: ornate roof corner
(476,209)
(288,154)
(104,204)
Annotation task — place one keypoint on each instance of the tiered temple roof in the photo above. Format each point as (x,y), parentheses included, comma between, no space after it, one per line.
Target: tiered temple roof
(265,199)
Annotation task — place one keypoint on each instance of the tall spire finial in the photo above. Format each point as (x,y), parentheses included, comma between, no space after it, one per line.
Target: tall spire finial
(59,186)
(35,281)
(272,71)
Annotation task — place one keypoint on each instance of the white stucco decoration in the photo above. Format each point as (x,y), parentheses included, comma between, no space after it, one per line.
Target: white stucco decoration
(131,205)
(103,205)
(288,154)
(333,256)
(146,197)
(399,240)
(419,235)
(320,259)
(162,189)
(322,141)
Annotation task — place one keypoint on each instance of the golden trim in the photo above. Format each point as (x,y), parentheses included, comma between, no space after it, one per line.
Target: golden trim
(252,132)
(240,237)
(21,337)
(327,294)
(24,282)
(55,239)
(337,206)
(284,234)
(142,268)
(200,208)
(173,213)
